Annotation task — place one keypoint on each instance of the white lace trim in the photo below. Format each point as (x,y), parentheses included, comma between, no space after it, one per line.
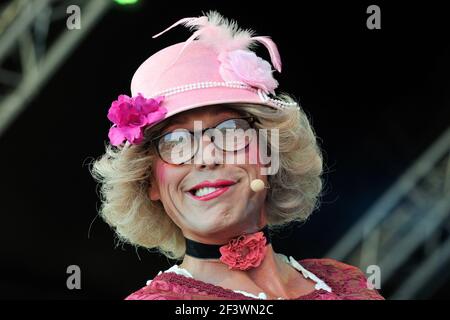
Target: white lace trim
(320,284)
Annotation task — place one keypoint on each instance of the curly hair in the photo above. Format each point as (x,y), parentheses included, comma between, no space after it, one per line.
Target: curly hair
(124,173)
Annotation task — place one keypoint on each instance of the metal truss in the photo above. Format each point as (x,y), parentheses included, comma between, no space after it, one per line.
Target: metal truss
(34,42)
(406,232)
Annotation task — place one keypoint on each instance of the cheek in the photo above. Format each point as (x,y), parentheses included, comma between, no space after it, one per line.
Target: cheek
(168,175)
(161,171)
(254,153)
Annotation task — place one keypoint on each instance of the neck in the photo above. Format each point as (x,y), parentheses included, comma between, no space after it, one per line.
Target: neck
(212,251)
(215,272)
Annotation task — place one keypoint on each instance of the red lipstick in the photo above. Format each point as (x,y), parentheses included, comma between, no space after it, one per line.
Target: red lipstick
(222,185)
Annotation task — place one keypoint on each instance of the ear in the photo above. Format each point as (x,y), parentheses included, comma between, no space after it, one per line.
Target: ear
(153,190)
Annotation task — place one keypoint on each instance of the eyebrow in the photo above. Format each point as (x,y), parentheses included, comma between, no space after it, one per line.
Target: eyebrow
(176,121)
(181,121)
(161,133)
(173,122)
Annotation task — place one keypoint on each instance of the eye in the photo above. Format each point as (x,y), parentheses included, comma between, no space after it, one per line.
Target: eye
(177,147)
(233,134)
(175,138)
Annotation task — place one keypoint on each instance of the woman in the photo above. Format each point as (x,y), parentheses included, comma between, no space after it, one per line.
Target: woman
(205,160)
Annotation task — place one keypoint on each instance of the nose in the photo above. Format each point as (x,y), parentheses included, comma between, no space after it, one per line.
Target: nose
(208,156)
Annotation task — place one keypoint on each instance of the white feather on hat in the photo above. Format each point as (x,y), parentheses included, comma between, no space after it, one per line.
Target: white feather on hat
(224,35)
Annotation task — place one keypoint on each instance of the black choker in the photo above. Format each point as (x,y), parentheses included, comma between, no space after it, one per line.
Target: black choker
(212,251)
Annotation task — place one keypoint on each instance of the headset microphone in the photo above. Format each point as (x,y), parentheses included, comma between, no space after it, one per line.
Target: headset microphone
(257,185)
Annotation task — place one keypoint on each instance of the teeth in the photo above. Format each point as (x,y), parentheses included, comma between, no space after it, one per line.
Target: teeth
(204,191)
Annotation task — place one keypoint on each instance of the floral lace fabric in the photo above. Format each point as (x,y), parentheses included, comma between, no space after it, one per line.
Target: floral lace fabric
(347,283)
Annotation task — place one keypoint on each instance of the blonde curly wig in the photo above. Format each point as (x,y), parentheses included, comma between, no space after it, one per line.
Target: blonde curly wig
(123,173)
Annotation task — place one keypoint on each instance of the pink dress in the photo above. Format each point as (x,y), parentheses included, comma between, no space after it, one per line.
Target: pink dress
(334,281)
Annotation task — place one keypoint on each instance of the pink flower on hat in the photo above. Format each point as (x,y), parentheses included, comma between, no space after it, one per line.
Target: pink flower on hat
(245,252)
(130,115)
(246,66)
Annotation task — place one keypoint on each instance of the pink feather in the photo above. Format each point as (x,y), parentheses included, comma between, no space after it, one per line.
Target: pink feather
(223,35)
(273,51)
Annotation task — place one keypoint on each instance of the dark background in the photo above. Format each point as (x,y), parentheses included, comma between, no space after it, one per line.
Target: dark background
(376,98)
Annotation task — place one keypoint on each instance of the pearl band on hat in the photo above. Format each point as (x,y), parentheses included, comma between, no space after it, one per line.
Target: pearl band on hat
(229,84)
(202,85)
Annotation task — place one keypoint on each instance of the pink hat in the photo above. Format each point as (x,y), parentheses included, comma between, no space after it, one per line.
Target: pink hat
(214,66)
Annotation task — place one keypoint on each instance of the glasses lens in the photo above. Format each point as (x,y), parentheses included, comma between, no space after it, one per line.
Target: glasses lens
(233,134)
(177,146)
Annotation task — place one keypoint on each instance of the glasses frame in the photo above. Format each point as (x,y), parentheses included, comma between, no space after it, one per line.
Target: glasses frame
(155,141)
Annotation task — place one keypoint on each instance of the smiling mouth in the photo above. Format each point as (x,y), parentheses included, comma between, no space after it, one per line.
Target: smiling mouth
(209,190)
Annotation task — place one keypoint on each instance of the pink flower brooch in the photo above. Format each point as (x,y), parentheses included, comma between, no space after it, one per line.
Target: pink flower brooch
(130,115)
(244,252)
(246,66)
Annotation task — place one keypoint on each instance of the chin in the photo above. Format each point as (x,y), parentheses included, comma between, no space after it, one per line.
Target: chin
(213,226)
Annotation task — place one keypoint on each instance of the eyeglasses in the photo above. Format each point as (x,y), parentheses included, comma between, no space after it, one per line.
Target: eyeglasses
(181,145)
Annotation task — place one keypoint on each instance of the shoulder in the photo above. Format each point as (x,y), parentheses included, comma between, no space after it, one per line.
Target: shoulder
(334,271)
(162,288)
(346,280)
(328,265)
